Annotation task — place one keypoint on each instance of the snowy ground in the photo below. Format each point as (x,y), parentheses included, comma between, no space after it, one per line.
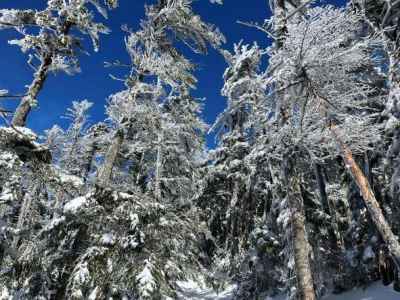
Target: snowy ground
(191,290)
(374,292)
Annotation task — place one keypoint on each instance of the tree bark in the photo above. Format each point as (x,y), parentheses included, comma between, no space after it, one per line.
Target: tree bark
(322,188)
(158,174)
(305,283)
(301,246)
(233,242)
(104,175)
(24,108)
(91,152)
(369,198)
(393,112)
(24,210)
(280,22)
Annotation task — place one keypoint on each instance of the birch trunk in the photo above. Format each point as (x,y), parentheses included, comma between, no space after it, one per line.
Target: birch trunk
(104,175)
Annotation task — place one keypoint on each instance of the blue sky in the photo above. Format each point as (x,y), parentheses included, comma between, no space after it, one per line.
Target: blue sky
(94,84)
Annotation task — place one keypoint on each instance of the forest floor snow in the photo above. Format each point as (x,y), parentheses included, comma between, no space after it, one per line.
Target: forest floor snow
(376,291)
(190,290)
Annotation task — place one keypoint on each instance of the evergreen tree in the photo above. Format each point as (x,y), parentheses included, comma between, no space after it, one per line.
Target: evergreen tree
(51,42)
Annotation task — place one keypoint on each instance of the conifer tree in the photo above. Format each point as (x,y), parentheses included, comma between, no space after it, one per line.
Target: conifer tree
(50,41)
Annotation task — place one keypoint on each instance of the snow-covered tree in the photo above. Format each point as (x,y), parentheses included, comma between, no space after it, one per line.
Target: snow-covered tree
(228,195)
(381,18)
(49,38)
(300,196)
(323,72)
(140,203)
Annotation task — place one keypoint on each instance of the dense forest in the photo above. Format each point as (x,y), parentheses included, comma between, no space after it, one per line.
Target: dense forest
(300,197)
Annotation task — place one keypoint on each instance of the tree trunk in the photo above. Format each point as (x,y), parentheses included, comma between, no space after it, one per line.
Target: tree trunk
(25,106)
(305,284)
(280,22)
(233,242)
(91,152)
(369,198)
(301,246)
(104,175)
(36,86)
(157,191)
(24,210)
(393,113)
(322,188)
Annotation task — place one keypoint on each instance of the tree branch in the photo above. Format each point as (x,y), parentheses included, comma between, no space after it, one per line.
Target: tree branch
(259,27)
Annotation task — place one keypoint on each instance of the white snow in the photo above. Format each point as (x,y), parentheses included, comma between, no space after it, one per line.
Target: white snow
(129,242)
(73,180)
(368,253)
(82,273)
(164,222)
(124,196)
(107,239)
(8,160)
(192,290)
(134,218)
(93,295)
(146,281)
(376,291)
(5,295)
(55,222)
(27,132)
(284,218)
(6,196)
(20,132)
(74,205)
(391,123)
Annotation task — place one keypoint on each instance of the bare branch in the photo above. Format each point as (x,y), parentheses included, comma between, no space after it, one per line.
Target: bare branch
(257,26)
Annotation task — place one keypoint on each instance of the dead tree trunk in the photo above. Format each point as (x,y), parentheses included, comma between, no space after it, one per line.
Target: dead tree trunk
(367,193)
(25,106)
(369,198)
(104,175)
(36,86)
